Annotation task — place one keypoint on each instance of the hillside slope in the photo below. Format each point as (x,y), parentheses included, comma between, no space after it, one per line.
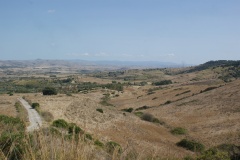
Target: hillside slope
(212,117)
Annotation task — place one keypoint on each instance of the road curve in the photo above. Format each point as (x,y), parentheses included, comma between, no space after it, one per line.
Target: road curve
(34,118)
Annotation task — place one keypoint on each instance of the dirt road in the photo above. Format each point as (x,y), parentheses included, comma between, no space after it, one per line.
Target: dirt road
(34,118)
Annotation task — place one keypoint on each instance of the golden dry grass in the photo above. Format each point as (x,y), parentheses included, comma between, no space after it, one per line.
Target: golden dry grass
(7,104)
(211,118)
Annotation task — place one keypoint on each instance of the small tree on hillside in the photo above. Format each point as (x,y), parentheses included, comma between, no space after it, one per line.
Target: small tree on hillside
(49,91)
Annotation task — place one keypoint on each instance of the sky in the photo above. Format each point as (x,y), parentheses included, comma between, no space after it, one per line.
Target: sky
(178,31)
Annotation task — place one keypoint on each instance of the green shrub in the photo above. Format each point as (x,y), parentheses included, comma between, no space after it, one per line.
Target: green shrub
(55,131)
(49,91)
(88,136)
(99,110)
(233,150)
(12,122)
(147,117)
(168,102)
(191,145)
(155,120)
(128,110)
(142,108)
(139,114)
(60,123)
(214,154)
(98,143)
(68,94)
(11,145)
(179,131)
(35,105)
(74,128)
(112,146)
(164,82)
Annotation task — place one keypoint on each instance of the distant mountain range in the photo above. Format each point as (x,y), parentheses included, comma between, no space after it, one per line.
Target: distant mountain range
(84,63)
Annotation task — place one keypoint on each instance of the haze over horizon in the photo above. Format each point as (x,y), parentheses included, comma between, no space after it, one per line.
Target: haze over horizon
(191,32)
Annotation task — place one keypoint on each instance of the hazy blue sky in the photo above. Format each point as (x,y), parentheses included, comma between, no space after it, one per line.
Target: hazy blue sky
(189,31)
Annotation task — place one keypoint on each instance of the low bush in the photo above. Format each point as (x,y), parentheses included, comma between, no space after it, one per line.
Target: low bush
(168,102)
(147,117)
(164,82)
(60,123)
(191,145)
(139,114)
(73,128)
(88,136)
(98,143)
(214,154)
(155,120)
(150,118)
(112,146)
(128,110)
(142,108)
(11,145)
(12,123)
(34,105)
(99,110)
(232,149)
(178,131)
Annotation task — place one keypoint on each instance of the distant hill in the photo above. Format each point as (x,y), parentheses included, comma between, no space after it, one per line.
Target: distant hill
(219,63)
(83,63)
(227,69)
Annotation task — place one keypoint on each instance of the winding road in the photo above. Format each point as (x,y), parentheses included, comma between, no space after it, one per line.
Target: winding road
(34,118)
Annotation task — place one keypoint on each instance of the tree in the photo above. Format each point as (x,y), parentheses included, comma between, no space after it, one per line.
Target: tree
(49,91)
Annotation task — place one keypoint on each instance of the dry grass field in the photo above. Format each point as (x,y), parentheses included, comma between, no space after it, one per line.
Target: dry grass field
(7,105)
(206,106)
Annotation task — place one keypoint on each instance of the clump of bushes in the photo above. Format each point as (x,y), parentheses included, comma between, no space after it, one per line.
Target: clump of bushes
(98,143)
(142,108)
(88,136)
(128,110)
(164,82)
(99,110)
(191,145)
(139,114)
(214,154)
(179,131)
(168,102)
(60,123)
(150,118)
(11,139)
(12,123)
(73,128)
(112,146)
(11,145)
(232,149)
(147,117)
(36,106)
(49,91)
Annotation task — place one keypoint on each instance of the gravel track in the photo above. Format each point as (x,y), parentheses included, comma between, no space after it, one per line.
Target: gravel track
(34,118)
